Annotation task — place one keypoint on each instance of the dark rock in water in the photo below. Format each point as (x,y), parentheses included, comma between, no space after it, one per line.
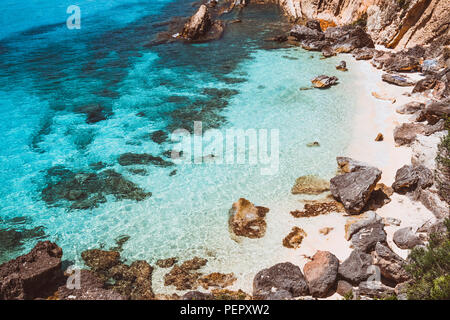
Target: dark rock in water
(97,165)
(100,260)
(281,38)
(138,171)
(301,33)
(284,277)
(166,263)
(197,295)
(247,220)
(408,178)
(397,80)
(94,113)
(220,93)
(201,27)
(342,66)
(356,267)
(321,273)
(92,288)
(353,189)
(159,136)
(323,81)
(87,190)
(366,238)
(129,159)
(36,274)
(172,173)
(406,238)
(391,265)
(375,289)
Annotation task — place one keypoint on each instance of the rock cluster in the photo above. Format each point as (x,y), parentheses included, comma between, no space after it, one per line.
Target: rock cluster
(247,220)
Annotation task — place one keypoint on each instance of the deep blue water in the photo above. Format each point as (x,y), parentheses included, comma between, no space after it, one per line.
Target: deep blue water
(73,98)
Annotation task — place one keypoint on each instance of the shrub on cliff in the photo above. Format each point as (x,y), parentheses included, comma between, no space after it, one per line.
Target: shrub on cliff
(430,269)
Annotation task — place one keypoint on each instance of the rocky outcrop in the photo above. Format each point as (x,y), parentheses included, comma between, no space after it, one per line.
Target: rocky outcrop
(33,275)
(356,223)
(408,178)
(356,267)
(406,238)
(281,279)
(310,185)
(323,81)
(353,189)
(390,264)
(201,27)
(321,273)
(397,79)
(367,237)
(247,220)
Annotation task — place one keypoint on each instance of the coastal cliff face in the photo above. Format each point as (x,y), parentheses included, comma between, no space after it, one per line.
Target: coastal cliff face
(393,23)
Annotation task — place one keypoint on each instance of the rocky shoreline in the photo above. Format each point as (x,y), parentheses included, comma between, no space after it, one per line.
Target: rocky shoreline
(356,189)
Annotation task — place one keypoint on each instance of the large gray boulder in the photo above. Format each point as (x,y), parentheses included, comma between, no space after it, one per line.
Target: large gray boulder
(284,277)
(353,188)
(408,178)
(366,238)
(390,264)
(321,273)
(356,267)
(406,238)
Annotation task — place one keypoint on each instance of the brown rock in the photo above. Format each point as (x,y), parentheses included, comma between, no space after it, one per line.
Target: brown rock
(321,273)
(100,260)
(326,230)
(166,263)
(310,185)
(391,265)
(294,238)
(247,220)
(194,264)
(379,137)
(344,288)
(217,279)
(318,208)
(181,278)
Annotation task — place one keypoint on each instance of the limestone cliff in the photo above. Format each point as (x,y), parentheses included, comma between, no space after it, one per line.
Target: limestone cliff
(393,23)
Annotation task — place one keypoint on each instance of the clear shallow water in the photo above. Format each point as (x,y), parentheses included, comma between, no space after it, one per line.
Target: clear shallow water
(48,73)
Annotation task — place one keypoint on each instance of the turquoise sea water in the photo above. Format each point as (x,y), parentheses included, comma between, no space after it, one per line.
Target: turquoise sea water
(48,74)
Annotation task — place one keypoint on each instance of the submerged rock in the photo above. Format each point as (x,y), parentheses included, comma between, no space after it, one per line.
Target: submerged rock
(310,185)
(129,159)
(247,220)
(166,263)
(321,273)
(284,277)
(323,81)
(342,66)
(294,238)
(353,189)
(36,274)
(217,279)
(318,208)
(100,260)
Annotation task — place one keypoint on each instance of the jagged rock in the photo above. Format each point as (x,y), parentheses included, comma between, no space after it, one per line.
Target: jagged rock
(327,51)
(410,108)
(197,295)
(301,33)
(181,278)
(434,111)
(294,238)
(310,185)
(391,265)
(406,238)
(313,144)
(363,53)
(321,273)
(375,289)
(224,294)
(366,238)
(323,81)
(356,267)
(100,260)
(348,38)
(356,223)
(347,165)
(379,137)
(353,189)
(91,288)
(247,220)
(201,27)
(397,79)
(344,288)
(166,263)
(280,277)
(314,24)
(379,197)
(401,62)
(408,178)
(33,275)
(342,66)
(217,279)
(129,159)
(316,208)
